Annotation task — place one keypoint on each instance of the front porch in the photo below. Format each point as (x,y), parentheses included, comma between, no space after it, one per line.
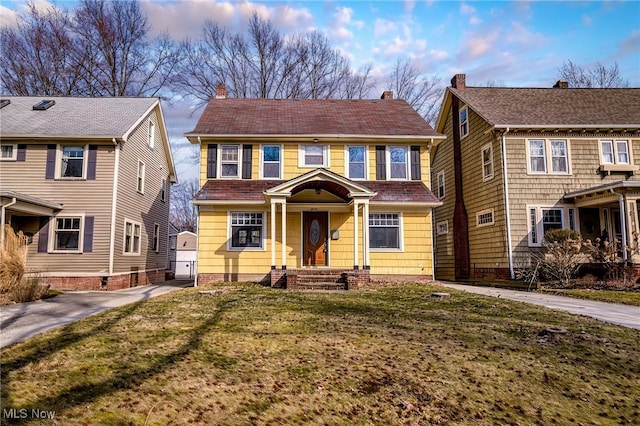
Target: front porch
(319,279)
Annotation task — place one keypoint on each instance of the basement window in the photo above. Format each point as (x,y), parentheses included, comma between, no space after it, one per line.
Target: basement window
(44,105)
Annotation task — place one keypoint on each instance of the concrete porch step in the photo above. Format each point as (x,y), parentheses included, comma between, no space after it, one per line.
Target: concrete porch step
(321,286)
(314,278)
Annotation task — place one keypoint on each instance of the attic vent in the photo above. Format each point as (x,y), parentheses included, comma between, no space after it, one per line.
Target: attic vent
(42,105)
(4,102)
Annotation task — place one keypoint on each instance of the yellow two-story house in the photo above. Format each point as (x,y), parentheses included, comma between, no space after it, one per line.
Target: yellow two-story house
(314,193)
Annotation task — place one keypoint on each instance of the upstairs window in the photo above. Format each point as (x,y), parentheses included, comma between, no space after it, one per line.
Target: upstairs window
(8,152)
(356,162)
(614,152)
(313,156)
(487,162)
(548,156)
(151,134)
(440,183)
(72,162)
(464,122)
(271,161)
(140,179)
(229,160)
(155,244)
(398,164)
(163,190)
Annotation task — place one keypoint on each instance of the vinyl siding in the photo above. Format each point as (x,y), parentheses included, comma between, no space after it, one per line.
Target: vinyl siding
(81,197)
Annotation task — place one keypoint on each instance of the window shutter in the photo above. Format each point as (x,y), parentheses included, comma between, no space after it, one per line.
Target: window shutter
(246,161)
(43,235)
(212,157)
(415,163)
(91,161)
(87,240)
(381,163)
(51,162)
(22,152)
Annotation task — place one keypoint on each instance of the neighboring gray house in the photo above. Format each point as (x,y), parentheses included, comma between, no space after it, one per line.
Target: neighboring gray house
(88,181)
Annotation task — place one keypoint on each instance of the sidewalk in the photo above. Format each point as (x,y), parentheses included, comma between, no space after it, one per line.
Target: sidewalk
(23,320)
(625,315)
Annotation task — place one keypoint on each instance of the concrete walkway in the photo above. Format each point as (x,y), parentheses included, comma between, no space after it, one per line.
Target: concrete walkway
(625,315)
(23,320)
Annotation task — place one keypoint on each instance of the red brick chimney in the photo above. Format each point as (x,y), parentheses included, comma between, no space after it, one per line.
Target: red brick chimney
(458,81)
(387,94)
(561,84)
(221,91)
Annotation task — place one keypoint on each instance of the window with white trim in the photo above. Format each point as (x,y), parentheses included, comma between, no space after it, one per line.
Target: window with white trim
(487,162)
(155,244)
(398,164)
(271,161)
(464,121)
(140,177)
(313,156)
(72,161)
(356,166)
(548,156)
(484,218)
(163,190)
(542,219)
(230,161)
(615,151)
(442,227)
(246,230)
(151,134)
(132,231)
(8,152)
(67,232)
(384,231)
(440,184)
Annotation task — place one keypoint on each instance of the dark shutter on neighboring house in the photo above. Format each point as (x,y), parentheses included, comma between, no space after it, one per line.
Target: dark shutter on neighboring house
(246,161)
(50,170)
(22,152)
(87,240)
(212,156)
(381,163)
(415,163)
(91,161)
(43,235)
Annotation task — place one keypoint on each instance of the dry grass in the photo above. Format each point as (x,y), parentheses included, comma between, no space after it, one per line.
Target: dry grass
(255,356)
(13,259)
(612,296)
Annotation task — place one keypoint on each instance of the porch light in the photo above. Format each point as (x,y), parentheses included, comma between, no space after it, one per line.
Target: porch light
(315,140)
(318,190)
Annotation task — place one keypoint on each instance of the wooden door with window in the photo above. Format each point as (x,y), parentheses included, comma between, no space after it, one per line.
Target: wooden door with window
(315,246)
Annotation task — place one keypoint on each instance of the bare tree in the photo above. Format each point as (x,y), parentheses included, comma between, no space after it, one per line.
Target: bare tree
(182,213)
(358,84)
(423,93)
(598,76)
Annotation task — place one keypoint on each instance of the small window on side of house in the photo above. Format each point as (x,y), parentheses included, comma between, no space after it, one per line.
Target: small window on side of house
(442,227)
(163,190)
(440,184)
(8,152)
(487,162)
(132,231)
(484,218)
(464,122)
(156,238)
(151,135)
(140,177)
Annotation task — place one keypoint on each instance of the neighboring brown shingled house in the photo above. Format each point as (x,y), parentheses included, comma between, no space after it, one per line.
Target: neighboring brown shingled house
(520,161)
(314,193)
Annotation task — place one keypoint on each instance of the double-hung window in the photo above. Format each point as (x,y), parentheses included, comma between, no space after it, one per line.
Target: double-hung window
(163,190)
(356,162)
(229,161)
(155,244)
(440,184)
(67,234)
(272,161)
(313,156)
(548,156)
(132,232)
(151,134)
(140,178)
(398,164)
(464,122)
(247,230)
(615,151)
(487,162)
(542,219)
(384,231)
(72,161)
(8,152)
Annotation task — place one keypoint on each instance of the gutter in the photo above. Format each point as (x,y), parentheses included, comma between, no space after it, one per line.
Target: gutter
(114,202)
(197,137)
(512,273)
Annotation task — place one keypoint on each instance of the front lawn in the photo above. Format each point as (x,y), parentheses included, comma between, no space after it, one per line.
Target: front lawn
(247,355)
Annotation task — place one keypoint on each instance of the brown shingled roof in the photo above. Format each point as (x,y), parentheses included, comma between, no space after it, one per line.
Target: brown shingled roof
(386,117)
(502,106)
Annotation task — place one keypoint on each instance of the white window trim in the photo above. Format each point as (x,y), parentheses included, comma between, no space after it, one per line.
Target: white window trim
(219,161)
(14,154)
(489,147)
(366,161)
(460,122)
(400,236)
(301,157)
(140,183)
(614,150)
(444,189)
(124,238)
(548,161)
(52,234)
(482,212)
(156,237)
(58,165)
(539,226)
(263,245)
(407,160)
(151,134)
(442,227)
(281,171)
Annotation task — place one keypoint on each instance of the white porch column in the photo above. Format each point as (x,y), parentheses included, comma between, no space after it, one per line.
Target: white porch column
(356,234)
(273,235)
(623,226)
(365,234)
(284,234)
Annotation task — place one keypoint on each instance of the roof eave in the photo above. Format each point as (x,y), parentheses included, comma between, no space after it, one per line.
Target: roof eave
(196,138)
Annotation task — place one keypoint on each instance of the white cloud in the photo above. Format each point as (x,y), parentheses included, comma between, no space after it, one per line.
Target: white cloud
(409,5)
(586,20)
(7,17)
(465,9)
(522,37)
(480,44)
(630,45)
(474,20)
(338,28)
(438,55)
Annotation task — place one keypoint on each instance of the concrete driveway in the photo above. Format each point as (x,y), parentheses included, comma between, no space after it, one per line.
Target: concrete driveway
(614,313)
(23,320)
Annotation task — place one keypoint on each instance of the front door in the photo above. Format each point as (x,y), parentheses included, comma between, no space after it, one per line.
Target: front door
(315,238)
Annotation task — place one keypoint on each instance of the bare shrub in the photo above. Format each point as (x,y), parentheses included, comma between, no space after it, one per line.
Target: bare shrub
(13,259)
(562,255)
(30,289)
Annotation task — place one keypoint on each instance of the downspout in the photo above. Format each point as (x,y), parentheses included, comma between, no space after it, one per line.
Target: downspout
(433,221)
(195,277)
(114,200)
(2,219)
(512,273)
(623,223)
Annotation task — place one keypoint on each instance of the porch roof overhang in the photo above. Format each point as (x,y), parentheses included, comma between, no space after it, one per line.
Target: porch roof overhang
(602,193)
(28,204)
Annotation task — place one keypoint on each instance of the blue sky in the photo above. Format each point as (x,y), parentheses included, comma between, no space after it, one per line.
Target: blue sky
(515,43)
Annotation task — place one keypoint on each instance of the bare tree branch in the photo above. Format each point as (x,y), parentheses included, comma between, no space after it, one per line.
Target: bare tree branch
(599,76)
